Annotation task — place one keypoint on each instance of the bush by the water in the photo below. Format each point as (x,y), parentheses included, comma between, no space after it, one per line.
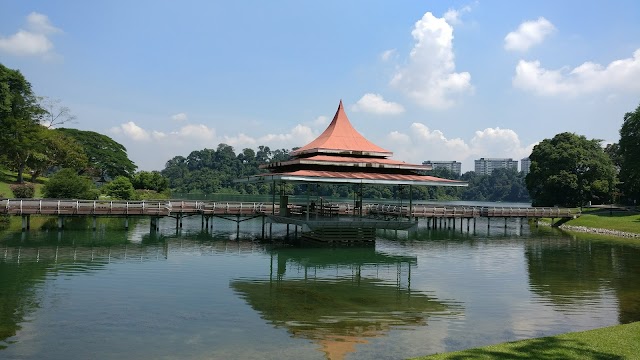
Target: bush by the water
(67,184)
(120,188)
(23,191)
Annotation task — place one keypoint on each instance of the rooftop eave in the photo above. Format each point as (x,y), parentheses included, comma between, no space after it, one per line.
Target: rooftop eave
(341,152)
(319,179)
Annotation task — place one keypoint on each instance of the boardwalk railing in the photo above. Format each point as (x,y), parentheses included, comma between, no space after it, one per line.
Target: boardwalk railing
(191,207)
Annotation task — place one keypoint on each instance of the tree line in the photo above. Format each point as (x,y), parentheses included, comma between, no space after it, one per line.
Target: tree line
(209,171)
(566,170)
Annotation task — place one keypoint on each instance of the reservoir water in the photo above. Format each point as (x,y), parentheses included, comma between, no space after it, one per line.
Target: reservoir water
(190,294)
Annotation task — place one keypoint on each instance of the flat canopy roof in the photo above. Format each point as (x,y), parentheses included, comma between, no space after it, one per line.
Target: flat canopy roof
(352,178)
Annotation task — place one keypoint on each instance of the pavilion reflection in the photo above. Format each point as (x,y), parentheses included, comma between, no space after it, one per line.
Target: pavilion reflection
(339,298)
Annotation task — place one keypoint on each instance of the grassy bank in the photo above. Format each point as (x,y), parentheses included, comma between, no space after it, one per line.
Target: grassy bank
(615,342)
(627,221)
(8,178)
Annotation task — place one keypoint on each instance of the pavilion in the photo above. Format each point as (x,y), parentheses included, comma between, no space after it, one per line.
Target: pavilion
(341,155)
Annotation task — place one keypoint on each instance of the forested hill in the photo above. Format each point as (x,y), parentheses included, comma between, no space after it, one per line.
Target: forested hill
(211,171)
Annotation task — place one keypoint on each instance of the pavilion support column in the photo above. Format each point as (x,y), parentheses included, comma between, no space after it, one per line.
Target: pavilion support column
(238,226)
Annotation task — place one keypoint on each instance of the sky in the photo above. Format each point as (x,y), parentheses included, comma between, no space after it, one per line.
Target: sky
(427,80)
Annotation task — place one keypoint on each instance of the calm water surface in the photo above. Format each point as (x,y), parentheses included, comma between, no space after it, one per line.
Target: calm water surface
(116,294)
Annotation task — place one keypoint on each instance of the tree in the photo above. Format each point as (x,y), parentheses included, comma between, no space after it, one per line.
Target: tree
(150,180)
(56,150)
(107,158)
(120,188)
(67,184)
(55,114)
(569,170)
(20,116)
(629,151)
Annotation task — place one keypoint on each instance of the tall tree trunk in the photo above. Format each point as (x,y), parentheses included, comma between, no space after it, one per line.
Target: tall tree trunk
(21,172)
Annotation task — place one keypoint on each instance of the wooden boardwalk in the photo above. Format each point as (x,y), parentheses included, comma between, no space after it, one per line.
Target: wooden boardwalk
(195,207)
(328,214)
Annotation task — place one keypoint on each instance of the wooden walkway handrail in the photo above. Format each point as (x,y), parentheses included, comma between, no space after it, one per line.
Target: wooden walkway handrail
(196,207)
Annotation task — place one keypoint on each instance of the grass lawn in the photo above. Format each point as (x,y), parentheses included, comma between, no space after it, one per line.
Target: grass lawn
(8,178)
(628,221)
(615,342)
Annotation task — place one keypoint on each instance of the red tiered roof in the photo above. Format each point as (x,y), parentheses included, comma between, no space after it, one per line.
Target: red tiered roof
(341,137)
(342,155)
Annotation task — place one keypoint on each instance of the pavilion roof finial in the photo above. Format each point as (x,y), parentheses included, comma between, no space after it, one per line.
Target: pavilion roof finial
(341,136)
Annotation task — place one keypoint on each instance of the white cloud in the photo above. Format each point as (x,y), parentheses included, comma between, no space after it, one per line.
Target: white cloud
(453,16)
(619,75)
(421,143)
(429,78)
(320,121)
(529,33)
(388,54)
(179,117)
(132,131)
(375,103)
(31,42)
(195,132)
(40,24)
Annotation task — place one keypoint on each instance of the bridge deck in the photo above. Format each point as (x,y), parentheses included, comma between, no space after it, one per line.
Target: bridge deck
(208,208)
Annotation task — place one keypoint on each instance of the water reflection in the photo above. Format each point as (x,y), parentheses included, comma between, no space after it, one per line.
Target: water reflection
(574,272)
(339,298)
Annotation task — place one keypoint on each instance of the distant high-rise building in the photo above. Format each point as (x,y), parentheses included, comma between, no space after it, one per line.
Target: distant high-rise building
(524,165)
(485,166)
(453,166)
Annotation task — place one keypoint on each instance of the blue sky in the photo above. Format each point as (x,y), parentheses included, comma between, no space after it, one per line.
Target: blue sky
(428,80)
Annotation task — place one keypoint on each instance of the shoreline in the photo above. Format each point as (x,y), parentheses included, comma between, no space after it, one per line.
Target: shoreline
(600,231)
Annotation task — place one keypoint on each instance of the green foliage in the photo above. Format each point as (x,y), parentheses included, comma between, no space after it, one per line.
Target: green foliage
(107,158)
(150,180)
(569,170)
(505,185)
(142,194)
(20,116)
(67,184)
(629,156)
(56,150)
(120,188)
(23,191)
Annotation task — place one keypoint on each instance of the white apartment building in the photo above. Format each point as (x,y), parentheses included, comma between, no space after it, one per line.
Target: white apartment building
(485,166)
(524,165)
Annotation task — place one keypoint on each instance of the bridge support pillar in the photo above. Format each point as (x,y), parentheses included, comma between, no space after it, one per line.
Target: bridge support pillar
(60,222)
(488,223)
(505,222)
(453,220)
(237,226)
(94,223)
(126,223)
(26,222)
(263,217)
(287,231)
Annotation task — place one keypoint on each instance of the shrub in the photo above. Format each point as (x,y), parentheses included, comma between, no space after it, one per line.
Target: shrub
(67,184)
(120,188)
(23,191)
